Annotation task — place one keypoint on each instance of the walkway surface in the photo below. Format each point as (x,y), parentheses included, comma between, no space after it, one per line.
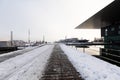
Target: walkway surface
(9,55)
(59,67)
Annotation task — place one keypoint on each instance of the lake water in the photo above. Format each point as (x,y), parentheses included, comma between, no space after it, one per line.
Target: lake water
(92,50)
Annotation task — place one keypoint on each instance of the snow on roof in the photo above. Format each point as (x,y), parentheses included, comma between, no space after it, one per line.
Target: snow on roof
(91,68)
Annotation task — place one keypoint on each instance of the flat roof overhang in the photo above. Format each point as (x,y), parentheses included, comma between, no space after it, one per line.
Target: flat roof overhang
(108,15)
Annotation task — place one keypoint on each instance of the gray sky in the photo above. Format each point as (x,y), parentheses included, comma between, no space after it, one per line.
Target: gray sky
(54,19)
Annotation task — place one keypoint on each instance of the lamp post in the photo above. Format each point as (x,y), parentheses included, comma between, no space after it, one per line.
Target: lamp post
(29,36)
(11,38)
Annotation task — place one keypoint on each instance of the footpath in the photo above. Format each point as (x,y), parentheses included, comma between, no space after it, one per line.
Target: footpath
(59,67)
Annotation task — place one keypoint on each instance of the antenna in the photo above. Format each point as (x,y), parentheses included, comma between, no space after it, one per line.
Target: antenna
(65,37)
(43,38)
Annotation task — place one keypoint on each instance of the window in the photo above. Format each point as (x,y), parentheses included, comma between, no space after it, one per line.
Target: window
(119,27)
(112,29)
(106,32)
(119,32)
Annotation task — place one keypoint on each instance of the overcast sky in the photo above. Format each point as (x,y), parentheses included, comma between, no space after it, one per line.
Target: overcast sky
(54,19)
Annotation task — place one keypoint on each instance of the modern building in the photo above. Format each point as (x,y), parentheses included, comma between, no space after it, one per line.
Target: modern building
(108,20)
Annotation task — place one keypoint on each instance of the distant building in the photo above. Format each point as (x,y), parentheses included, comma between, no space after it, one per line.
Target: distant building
(5,44)
(69,40)
(15,43)
(73,40)
(18,43)
(37,43)
(98,40)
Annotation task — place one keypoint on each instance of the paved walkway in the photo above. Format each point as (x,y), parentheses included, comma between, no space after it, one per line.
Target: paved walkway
(59,67)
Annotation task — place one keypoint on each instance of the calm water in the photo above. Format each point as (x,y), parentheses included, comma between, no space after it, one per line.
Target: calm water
(92,50)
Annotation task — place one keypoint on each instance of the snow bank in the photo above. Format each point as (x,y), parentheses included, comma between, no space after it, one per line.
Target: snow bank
(28,66)
(90,67)
(6,56)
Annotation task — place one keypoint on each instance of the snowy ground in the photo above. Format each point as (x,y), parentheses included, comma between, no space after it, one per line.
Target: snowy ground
(9,55)
(90,67)
(28,66)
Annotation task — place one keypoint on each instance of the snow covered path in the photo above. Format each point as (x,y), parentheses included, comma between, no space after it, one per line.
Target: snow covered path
(90,67)
(28,66)
(9,55)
